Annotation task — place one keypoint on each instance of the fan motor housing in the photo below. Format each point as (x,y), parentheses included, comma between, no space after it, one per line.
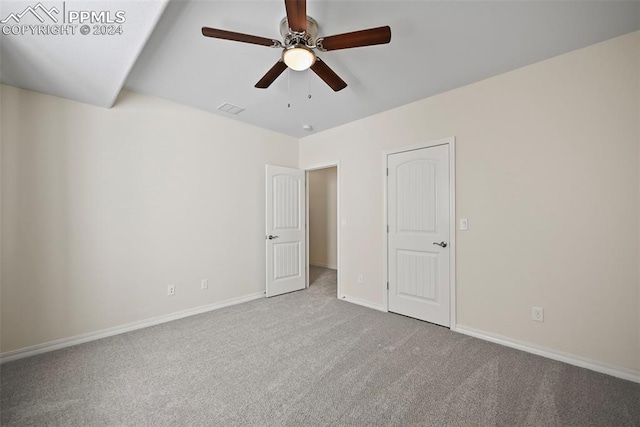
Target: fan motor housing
(309,37)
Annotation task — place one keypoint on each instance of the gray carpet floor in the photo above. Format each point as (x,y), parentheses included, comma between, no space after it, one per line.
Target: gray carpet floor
(306,358)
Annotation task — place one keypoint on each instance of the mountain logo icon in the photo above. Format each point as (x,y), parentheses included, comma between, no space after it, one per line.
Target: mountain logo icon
(38,11)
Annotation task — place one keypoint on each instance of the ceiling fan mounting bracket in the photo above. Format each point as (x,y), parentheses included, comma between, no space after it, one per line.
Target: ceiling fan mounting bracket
(319,45)
(291,37)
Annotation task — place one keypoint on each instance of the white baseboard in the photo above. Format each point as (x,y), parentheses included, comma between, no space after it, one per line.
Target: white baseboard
(8,356)
(604,368)
(367,304)
(319,264)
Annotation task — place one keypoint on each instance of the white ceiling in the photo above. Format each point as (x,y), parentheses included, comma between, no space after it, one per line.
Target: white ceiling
(436,46)
(86,68)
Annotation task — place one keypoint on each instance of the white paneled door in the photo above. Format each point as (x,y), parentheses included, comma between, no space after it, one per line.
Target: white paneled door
(418,208)
(285,230)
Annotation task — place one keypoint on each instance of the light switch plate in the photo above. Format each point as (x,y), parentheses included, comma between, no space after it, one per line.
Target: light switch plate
(464,224)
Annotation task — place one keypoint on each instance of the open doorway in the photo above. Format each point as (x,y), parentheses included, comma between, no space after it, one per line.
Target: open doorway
(323,229)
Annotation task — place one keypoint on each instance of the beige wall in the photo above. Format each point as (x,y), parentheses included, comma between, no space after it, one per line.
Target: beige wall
(547,173)
(102,209)
(323,232)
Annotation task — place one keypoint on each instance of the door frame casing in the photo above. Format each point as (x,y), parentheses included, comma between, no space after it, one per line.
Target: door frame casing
(451,142)
(308,169)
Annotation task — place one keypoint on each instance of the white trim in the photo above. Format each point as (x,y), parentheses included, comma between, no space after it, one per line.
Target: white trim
(320,264)
(326,165)
(604,368)
(451,141)
(9,356)
(452,232)
(333,164)
(385,234)
(367,304)
(306,228)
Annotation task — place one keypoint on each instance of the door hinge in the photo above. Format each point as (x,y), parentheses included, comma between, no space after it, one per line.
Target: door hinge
(387,228)
(387,171)
(387,285)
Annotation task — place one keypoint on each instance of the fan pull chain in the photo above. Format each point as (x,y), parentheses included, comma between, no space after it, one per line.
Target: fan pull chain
(288,88)
(309,79)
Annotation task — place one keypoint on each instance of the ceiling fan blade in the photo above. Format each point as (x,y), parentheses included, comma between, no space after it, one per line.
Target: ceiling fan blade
(238,37)
(328,75)
(271,75)
(296,15)
(372,36)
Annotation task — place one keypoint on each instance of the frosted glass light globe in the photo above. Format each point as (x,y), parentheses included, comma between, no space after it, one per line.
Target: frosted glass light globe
(298,57)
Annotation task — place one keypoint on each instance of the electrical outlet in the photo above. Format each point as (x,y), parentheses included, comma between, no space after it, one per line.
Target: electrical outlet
(171,290)
(204,284)
(537,314)
(360,279)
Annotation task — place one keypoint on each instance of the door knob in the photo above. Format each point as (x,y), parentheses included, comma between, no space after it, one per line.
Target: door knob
(270,237)
(442,244)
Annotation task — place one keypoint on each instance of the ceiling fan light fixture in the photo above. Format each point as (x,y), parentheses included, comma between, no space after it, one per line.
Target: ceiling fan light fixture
(298,57)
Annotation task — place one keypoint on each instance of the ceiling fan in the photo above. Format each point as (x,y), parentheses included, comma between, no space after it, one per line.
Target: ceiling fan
(300,39)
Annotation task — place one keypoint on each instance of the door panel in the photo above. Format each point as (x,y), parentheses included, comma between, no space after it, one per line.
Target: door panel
(417,275)
(286,201)
(418,212)
(285,227)
(286,260)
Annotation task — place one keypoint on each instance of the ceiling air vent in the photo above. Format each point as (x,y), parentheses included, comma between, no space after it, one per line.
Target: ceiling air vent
(230,108)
